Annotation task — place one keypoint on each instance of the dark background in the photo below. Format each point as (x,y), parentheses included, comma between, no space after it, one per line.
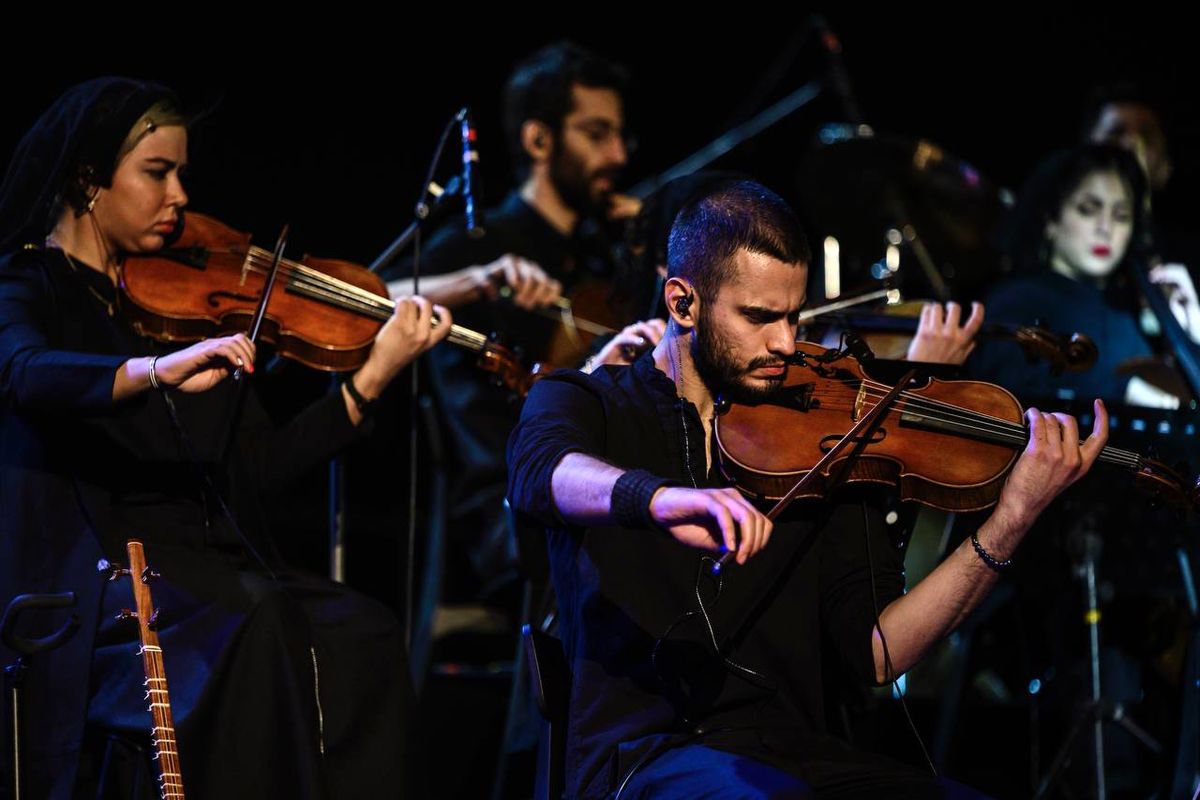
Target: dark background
(330,127)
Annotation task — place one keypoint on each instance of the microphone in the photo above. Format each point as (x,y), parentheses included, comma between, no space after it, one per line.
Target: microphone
(471,187)
(839,78)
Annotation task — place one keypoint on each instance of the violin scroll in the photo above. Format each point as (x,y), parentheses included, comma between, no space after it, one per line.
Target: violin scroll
(1166,486)
(1074,353)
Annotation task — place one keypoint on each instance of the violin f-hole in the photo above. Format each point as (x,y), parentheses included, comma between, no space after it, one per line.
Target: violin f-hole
(876,436)
(214,298)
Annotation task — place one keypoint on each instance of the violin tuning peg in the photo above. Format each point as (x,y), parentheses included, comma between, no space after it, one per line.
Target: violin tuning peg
(125,614)
(149,575)
(152,623)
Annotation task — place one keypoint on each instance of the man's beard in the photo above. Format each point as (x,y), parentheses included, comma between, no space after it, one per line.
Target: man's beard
(574,184)
(723,375)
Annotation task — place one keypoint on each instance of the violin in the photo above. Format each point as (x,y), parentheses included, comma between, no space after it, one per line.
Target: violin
(945,444)
(325,312)
(1075,352)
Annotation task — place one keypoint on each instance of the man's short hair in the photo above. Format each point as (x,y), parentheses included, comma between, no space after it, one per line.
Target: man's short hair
(710,230)
(1119,93)
(540,89)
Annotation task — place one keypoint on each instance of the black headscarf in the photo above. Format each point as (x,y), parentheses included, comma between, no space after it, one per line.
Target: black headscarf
(79,135)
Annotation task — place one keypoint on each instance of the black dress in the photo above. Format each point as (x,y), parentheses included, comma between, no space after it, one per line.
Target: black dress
(282,685)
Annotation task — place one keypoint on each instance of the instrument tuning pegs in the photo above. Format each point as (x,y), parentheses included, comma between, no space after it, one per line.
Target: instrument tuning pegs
(152,623)
(125,614)
(149,575)
(114,569)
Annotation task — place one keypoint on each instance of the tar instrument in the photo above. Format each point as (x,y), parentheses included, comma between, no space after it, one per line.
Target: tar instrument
(326,315)
(158,697)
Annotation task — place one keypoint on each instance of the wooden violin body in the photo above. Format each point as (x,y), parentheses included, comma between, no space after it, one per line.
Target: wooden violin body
(324,312)
(946,444)
(208,282)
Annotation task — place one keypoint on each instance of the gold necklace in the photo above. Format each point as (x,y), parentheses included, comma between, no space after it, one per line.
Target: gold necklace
(109,305)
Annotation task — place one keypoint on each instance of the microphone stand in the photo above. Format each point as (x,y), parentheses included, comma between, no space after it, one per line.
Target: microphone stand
(789,105)
(730,139)
(425,211)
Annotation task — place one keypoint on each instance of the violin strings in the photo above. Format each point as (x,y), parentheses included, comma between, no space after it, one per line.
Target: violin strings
(1019,430)
(346,295)
(991,427)
(950,413)
(356,298)
(258,257)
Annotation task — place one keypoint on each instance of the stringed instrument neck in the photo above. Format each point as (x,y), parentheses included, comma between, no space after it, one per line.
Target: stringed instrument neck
(325,288)
(158,698)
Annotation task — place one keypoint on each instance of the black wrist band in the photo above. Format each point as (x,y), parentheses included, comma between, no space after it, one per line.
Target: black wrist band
(992,562)
(631,496)
(363,405)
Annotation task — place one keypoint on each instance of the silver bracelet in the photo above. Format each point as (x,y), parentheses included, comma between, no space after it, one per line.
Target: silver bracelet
(154,384)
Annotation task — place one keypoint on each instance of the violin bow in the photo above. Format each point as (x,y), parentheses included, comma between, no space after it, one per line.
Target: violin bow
(268,287)
(255,326)
(855,434)
(891,295)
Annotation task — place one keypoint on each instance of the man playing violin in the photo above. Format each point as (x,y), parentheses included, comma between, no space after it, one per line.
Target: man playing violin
(565,125)
(690,684)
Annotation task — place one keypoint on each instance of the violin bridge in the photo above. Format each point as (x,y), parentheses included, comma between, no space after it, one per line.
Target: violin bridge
(246,266)
(860,400)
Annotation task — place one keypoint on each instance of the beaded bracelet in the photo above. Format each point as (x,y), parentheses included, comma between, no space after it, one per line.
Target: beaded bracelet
(992,562)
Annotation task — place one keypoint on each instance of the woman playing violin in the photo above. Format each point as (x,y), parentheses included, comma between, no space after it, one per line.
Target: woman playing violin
(282,684)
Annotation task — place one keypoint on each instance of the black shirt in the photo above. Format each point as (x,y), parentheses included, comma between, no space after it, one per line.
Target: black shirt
(639,648)
(478,416)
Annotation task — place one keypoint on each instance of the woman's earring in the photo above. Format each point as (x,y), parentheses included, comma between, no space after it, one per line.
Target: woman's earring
(1047,247)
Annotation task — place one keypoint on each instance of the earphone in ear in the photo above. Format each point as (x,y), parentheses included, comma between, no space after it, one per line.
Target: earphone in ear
(683,304)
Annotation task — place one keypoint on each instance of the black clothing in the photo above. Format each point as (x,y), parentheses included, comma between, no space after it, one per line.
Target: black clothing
(77,137)
(478,415)
(1063,306)
(79,474)
(635,634)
